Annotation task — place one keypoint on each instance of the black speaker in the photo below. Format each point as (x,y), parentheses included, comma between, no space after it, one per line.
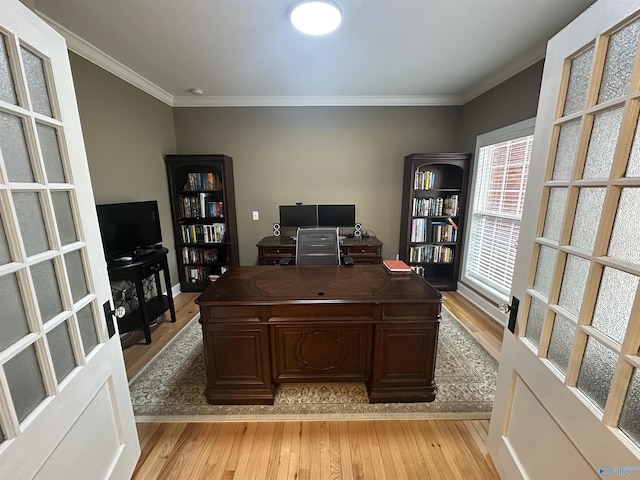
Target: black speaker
(357,230)
(276,229)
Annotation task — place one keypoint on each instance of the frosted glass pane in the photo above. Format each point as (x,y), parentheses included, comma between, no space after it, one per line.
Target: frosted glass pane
(36,82)
(563,335)
(596,372)
(61,351)
(7,89)
(567,149)
(87,329)
(633,165)
(536,319)
(544,270)
(555,213)
(578,82)
(615,299)
(77,279)
(576,271)
(587,218)
(45,282)
(13,320)
(14,149)
(64,217)
(5,254)
(25,382)
(51,153)
(625,238)
(31,221)
(618,64)
(630,415)
(602,146)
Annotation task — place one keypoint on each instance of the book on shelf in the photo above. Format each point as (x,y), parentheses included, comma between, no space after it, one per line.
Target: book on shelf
(196,274)
(199,255)
(435,206)
(396,266)
(426,230)
(424,180)
(200,207)
(431,254)
(203,233)
(203,181)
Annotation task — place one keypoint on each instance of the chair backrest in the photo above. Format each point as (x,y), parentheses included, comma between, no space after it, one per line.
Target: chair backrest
(317,246)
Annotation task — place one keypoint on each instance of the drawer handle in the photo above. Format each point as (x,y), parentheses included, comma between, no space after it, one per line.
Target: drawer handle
(363,250)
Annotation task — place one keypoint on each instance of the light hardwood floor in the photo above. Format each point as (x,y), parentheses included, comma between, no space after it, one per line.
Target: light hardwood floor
(425,449)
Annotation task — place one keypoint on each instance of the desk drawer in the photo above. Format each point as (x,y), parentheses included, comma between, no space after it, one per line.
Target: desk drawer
(276,260)
(278,251)
(151,268)
(354,250)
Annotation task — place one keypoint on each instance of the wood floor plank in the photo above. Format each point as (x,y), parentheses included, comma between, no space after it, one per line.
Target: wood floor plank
(244,453)
(392,460)
(158,450)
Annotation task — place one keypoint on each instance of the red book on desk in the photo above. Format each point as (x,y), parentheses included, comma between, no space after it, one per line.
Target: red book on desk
(396,266)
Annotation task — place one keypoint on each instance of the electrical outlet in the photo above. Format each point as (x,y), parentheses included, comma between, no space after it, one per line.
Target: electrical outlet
(256,215)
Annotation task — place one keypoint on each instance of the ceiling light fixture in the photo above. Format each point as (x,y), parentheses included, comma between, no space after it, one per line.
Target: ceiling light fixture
(316,17)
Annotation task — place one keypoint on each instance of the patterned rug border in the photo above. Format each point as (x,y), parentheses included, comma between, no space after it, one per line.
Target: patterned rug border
(478,406)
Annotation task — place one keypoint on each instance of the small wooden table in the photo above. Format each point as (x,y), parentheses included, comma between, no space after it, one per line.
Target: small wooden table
(264,325)
(138,271)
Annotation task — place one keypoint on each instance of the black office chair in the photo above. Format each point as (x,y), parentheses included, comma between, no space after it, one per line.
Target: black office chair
(317,246)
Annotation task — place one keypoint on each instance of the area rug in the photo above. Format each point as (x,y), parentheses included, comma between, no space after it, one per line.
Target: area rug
(171,387)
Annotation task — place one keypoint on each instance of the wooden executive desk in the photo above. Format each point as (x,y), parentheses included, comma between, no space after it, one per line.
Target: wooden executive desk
(264,325)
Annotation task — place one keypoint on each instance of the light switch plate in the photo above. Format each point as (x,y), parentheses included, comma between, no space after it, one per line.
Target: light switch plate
(256,215)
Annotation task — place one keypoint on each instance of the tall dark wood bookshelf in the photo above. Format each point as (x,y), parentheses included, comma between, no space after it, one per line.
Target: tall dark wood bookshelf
(204,217)
(433,207)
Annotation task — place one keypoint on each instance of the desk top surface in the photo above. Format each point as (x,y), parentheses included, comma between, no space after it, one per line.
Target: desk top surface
(280,284)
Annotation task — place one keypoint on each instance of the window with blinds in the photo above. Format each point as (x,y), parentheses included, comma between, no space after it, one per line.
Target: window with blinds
(502,165)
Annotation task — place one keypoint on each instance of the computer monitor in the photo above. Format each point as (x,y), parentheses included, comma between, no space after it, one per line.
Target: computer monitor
(336,215)
(298,215)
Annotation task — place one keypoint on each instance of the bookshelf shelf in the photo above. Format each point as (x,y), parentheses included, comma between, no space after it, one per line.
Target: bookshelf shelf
(434,195)
(204,223)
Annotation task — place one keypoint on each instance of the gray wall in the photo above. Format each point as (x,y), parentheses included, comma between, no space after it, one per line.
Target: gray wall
(281,155)
(284,155)
(512,101)
(125,132)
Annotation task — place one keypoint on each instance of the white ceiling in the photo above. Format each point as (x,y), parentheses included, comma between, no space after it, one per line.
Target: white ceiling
(245,52)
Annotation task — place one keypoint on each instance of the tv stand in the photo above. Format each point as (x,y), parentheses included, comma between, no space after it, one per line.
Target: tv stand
(142,270)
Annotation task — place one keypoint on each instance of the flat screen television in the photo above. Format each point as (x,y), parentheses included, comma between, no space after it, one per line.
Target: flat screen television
(336,215)
(298,215)
(128,228)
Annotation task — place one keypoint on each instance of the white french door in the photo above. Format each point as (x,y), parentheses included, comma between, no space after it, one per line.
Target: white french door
(65,411)
(568,398)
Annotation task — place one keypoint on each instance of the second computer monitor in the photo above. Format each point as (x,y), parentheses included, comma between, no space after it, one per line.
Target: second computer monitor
(336,215)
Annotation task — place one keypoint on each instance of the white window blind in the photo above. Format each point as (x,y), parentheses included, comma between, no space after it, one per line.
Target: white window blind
(501,177)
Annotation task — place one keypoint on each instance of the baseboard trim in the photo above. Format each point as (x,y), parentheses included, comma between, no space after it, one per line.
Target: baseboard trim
(483,304)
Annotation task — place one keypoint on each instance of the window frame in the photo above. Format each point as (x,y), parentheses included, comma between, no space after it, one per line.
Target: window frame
(510,132)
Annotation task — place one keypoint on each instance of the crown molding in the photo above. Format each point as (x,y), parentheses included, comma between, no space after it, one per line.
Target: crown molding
(86,50)
(523,62)
(319,101)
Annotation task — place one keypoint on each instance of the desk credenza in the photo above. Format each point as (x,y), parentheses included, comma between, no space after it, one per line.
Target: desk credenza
(363,250)
(264,325)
